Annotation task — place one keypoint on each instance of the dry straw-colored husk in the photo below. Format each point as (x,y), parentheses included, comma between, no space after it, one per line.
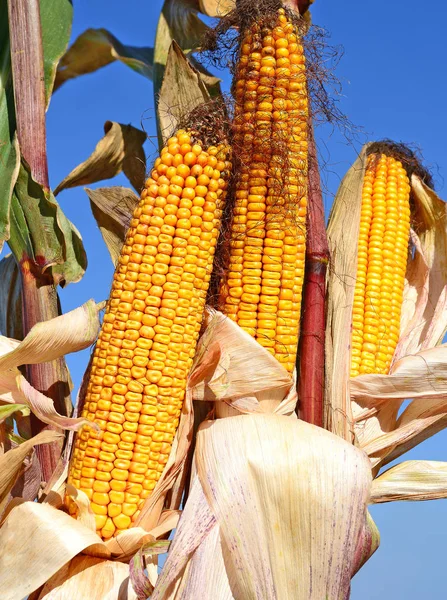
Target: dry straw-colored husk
(364,410)
(92,578)
(59,538)
(277,508)
(46,341)
(271,494)
(411,480)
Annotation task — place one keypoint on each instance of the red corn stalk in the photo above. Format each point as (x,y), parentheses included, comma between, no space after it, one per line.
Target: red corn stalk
(40,303)
(311,376)
(29,85)
(39,297)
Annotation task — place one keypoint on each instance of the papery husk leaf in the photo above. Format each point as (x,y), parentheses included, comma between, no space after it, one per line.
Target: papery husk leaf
(46,341)
(267,480)
(420,420)
(10,299)
(52,539)
(368,543)
(9,391)
(113,208)
(423,431)
(121,149)
(415,295)
(96,48)
(43,407)
(207,559)
(412,480)
(28,483)
(422,375)
(343,232)
(220,370)
(124,545)
(11,463)
(146,560)
(262,551)
(195,525)
(84,515)
(430,223)
(141,583)
(38,540)
(423,324)
(181,91)
(52,339)
(89,577)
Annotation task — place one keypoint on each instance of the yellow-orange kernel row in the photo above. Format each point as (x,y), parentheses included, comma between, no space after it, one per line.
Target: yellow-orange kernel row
(147,341)
(382,262)
(262,290)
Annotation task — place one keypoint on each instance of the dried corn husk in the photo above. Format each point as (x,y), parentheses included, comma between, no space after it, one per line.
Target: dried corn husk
(52,538)
(11,463)
(92,578)
(46,341)
(411,480)
(227,377)
(69,537)
(365,408)
(264,481)
(342,234)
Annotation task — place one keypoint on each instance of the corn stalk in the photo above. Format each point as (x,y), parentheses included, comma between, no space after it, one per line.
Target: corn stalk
(31,85)
(311,365)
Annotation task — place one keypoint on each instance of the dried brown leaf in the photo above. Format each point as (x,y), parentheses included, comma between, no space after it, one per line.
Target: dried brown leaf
(96,48)
(181,91)
(113,208)
(121,149)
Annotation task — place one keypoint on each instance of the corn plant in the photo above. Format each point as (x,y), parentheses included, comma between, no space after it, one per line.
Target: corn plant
(249,366)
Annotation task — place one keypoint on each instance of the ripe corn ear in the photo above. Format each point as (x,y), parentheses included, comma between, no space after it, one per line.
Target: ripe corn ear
(382,260)
(262,289)
(147,342)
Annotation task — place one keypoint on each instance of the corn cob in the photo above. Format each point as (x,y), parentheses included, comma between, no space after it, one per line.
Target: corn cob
(147,342)
(382,260)
(262,290)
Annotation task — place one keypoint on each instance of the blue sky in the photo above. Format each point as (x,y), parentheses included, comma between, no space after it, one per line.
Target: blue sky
(393,86)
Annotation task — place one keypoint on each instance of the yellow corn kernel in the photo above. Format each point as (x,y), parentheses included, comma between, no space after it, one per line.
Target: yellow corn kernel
(383,248)
(145,349)
(267,247)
